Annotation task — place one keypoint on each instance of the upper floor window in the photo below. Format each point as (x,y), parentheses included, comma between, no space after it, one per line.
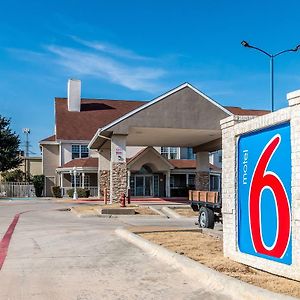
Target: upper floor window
(80,151)
(190,153)
(170,152)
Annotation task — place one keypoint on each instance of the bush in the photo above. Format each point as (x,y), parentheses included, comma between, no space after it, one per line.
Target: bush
(56,191)
(13,176)
(38,183)
(82,193)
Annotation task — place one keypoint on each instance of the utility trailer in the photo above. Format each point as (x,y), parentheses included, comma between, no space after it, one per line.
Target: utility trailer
(209,205)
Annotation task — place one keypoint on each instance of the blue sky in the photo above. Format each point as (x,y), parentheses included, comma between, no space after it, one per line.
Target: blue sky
(138,50)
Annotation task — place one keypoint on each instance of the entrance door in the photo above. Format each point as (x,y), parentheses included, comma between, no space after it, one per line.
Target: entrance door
(148,183)
(144,185)
(139,186)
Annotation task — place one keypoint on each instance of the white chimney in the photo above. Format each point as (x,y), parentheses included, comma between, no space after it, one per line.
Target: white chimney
(74,94)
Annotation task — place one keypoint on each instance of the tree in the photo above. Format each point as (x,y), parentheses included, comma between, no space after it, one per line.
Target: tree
(9,146)
(38,183)
(13,176)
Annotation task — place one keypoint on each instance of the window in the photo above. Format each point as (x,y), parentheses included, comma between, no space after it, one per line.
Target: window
(170,152)
(77,180)
(174,153)
(80,151)
(190,154)
(172,181)
(164,151)
(84,151)
(87,180)
(214,181)
(191,180)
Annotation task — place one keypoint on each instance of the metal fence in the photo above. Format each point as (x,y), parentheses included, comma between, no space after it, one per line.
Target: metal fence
(16,189)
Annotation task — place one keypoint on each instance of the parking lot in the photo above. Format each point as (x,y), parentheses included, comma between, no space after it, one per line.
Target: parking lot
(54,254)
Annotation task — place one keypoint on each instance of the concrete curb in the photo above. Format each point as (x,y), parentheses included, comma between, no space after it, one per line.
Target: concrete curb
(208,278)
(171,213)
(158,212)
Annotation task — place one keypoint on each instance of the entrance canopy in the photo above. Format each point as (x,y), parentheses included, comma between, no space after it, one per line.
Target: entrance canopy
(183,117)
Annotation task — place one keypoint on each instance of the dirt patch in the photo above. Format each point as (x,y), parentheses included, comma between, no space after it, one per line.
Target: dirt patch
(94,209)
(85,210)
(208,250)
(186,211)
(117,205)
(145,211)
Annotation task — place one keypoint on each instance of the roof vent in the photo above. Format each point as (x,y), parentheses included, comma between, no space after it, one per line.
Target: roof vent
(74,94)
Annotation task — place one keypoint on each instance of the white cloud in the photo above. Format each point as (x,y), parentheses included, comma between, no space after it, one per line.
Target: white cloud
(112,69)
(111,49)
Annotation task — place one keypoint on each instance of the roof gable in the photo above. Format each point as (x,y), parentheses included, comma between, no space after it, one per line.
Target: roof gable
(162,97)
(149,156)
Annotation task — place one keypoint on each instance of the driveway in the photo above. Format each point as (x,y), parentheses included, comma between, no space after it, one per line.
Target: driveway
(55,255)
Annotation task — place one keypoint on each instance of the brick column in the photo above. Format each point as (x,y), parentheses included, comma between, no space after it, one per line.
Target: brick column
(103,172)
(294,103)
(229,179)
(118,167)
(202,171)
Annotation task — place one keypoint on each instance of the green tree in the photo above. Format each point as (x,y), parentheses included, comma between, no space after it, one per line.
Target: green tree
(38,183)
(13,176)
(9,146)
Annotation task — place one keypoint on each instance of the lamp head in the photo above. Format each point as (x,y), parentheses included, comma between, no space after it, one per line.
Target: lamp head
(245,44)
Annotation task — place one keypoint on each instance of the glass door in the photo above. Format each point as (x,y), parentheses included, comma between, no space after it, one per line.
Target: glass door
(148,180)
(139,186)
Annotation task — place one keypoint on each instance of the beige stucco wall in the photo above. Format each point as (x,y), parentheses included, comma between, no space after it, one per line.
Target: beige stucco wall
(152,160)
(194,110)
(50,159)
(50,154)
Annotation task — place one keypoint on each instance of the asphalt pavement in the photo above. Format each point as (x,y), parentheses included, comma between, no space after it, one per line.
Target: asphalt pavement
(53,254)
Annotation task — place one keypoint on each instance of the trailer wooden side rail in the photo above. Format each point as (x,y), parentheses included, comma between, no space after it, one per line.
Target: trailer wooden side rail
(209,205)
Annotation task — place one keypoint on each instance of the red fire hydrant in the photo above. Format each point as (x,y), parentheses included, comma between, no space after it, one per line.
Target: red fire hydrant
(122,200)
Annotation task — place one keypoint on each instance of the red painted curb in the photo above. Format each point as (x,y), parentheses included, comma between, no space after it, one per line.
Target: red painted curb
(4,244)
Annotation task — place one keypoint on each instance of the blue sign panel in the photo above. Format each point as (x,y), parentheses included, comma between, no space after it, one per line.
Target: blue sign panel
(264,194)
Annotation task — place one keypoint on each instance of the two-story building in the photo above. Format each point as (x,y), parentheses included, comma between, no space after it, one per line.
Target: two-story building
(155,168)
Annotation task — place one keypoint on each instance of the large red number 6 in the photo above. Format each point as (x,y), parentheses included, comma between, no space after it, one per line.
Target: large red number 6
(261,180)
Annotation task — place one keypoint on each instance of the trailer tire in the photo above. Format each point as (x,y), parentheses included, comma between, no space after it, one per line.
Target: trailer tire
(206,218)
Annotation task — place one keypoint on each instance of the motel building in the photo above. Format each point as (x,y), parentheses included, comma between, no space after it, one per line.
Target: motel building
(160,148)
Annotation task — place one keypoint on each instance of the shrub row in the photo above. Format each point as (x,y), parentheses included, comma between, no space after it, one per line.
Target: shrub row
(82,193)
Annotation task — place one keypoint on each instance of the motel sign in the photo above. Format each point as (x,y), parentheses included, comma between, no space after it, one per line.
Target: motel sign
(264,194)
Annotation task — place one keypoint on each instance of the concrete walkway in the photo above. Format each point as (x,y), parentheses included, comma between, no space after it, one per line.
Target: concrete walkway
(55,255)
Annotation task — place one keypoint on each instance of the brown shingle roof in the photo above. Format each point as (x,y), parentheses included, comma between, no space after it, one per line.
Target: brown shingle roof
(183,163)
(93,115)
(51,138)
(189,164)
(89,162)
(246,112)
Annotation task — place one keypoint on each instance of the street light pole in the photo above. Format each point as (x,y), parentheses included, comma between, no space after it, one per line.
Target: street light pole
(272,81)
(271,56)
(74,173)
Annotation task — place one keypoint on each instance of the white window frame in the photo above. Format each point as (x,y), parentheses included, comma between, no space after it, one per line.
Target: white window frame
(168,151)
(81,152)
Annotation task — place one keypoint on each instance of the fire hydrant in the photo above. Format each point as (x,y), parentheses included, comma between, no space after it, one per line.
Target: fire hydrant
(122,200)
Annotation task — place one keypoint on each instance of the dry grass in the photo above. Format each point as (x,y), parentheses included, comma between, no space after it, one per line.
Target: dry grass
(186,212)
(143,210)
(93,209)
(208,250)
